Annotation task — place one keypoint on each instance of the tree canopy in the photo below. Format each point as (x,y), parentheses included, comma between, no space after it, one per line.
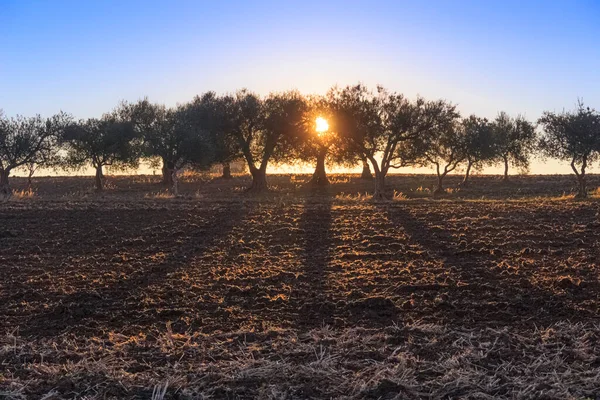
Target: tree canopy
(515,140)
(574,137)
(99,143)
(386,130)
(25,141)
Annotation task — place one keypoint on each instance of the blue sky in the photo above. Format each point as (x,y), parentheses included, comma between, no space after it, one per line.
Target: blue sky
(85,56)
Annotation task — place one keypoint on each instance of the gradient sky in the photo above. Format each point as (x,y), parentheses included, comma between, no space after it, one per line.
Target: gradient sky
(85,56)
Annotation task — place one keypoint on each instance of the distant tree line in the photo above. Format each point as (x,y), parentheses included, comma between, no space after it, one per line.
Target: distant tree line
(379,130)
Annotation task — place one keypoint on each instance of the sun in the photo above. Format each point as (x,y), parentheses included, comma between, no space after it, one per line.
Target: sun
(321,125)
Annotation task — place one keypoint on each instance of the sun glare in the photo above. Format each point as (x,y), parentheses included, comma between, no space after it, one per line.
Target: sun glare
(321,125)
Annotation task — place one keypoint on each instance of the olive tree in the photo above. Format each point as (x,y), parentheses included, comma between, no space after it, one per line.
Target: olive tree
(315,142)
(442,148)
(211,114)
(374,126)
(99,143)
(150,121)
(28,141)
(178,136)
(575,137)
(366,173)
(479,146)
(262,128)
(356,120)
(515,140)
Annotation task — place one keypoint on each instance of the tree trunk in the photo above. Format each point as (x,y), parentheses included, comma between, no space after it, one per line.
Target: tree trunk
(505,168)
(439,190)
(582,186)
(582,194)
(465,181)
(379,194)
(99,179)
(319,177)
(167,173)
(259,180)
(30,171)
(4,184)
(175,181)
(366,171)
(226,170)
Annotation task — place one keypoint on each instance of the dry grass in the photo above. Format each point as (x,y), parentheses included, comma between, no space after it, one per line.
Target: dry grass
(398,196)
(409,361)
(499,288)
(23,194)
(339,179)
(163,194)
(354,197)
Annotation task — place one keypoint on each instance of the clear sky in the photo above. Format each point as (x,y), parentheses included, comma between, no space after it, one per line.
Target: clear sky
(486,56)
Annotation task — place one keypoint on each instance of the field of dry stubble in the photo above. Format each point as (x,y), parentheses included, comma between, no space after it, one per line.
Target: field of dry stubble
(491,292)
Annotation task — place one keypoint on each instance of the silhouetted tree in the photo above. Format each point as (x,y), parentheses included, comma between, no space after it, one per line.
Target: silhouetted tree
(479,146)
(575,137)
(443,148)
(373,126)
(31,168)
(25,141)
(309,145)
(515,140)
(99,143)
(213,114)
(366,170)
(263,128)
(356,119)
(150,121)
(180,137)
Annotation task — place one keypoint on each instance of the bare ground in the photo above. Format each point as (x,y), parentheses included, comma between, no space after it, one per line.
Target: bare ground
(299,294)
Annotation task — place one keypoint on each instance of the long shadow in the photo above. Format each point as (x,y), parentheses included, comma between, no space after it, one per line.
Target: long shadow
(479,293)
(314,306)
(106,308)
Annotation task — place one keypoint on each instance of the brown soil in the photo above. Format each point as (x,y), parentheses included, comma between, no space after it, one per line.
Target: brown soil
(298,294)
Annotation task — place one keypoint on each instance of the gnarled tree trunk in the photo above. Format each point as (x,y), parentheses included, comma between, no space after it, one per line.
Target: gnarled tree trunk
(167,173)
(4,185)
(581,180)
(99,178)
(226,170)
(465,181)
(505,168)
(439,189)
(319,177)
(175,181)
(379,193)
(366,171)
(259,180)
(30,171)
(582,194)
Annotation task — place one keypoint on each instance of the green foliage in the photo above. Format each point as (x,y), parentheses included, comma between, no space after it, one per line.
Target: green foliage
(515,140)
(33,140)
(213,118)
(101,142)
(443,146)
(571,136)
(265,129)
(479,145)
(355,117)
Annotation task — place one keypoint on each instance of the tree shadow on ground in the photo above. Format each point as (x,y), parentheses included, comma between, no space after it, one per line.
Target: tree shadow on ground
(477,292)
(114,307)
(315,308)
